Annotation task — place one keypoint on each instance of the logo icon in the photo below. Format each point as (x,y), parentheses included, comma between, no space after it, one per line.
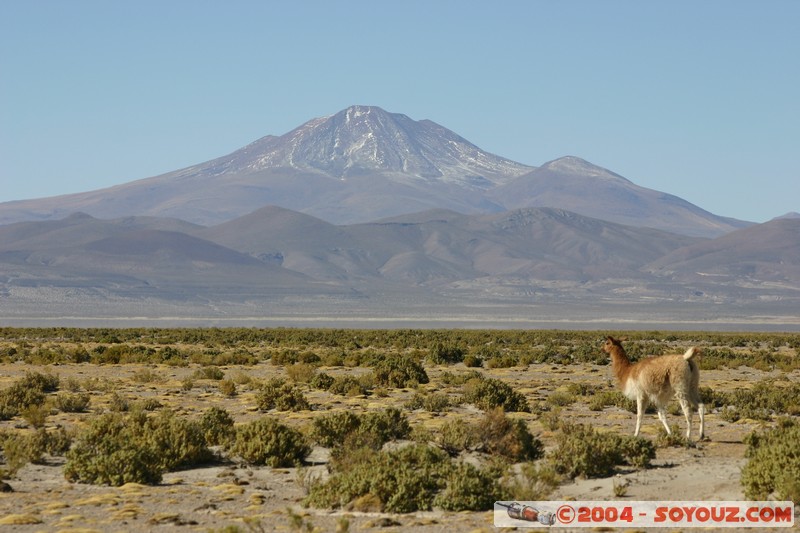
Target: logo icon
(518,511)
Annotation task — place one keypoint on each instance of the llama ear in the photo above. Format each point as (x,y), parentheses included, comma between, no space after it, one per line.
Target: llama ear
(622,339)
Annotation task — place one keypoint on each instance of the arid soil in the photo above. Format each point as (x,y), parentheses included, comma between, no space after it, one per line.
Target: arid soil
(230,495)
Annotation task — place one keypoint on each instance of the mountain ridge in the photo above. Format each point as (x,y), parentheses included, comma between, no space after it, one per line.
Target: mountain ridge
(363,164)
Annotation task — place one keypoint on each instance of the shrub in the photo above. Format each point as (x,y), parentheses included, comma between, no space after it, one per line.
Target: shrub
(321,381)
(764,399)
(472,361)
(217,426)
(387,424)
(674,439)
(147,375)
(487,393)
(534,482)
(441,354)
(106,454)
(582,451)
(434,402)
(26,392)
(266,441)
(72,403)
(407,479)
(774,463)
(301,372)
(509,438)
(213,373)
(501,361)
(118,449)
(36,415)
(601,400)
(177,441)
(449,378)
(227,388)
(561,398)
(20,449)
(331,429)
(467,488)
(397,371)
(456,436)
(402,480)
(282,396)
(118,403)
(347,386)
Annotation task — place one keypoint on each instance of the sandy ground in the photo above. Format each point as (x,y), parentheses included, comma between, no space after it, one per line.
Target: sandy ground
(266,499)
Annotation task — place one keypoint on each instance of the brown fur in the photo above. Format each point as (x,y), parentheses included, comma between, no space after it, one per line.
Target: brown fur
(657,380)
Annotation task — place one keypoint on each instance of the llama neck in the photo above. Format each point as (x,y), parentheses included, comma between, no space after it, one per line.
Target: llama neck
(620,364)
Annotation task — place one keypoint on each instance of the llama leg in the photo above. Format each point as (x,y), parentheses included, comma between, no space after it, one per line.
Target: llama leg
(639,415)
(701,410)
(687,412)
(662,415)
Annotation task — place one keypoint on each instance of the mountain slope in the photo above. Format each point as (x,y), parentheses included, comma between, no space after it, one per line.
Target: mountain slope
(438,246)
(576,185)
(357,165)
(768,252)
(131,255)
(363,164)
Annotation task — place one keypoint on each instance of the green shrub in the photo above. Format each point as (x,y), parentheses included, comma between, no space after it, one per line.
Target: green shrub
(20,448)
(177,441)
(118,449)
(472,361)
(449,378)
(72,402)
(467,488)
(442,354)
(107,454)
(403,480)
(217,426)
(487,393)
(676,438)
(301,372)
(147,375)
(266,441)
(561,398)
(456,436)
(322,381)
(330,429)
(347,386)
(213,373)
(387,424)
(118,403)
(582,451)
(615,398)
(408,479)
(773,467)
(25,393)
(764,399)
(502,361)
(397,371)
(434,402)
(534,482)
(282,396)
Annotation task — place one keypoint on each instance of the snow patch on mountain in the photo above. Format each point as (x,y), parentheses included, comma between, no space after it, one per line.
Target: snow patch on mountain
(366,139)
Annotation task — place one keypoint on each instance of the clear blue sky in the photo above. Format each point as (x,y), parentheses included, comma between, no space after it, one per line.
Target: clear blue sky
(698,99)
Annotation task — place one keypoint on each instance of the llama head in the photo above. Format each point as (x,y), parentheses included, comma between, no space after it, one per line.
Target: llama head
(611,342)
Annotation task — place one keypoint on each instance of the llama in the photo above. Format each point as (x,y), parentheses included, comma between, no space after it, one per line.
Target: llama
(656,380)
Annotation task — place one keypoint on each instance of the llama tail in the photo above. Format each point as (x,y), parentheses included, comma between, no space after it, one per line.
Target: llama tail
(690,353)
